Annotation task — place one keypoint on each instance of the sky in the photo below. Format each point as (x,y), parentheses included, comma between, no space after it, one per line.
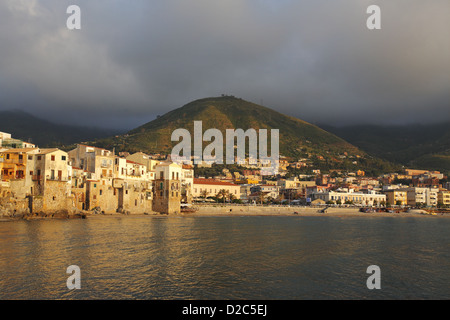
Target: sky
(312,59)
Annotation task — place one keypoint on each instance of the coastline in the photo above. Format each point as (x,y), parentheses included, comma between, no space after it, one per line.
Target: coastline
(301,212)
(234,211)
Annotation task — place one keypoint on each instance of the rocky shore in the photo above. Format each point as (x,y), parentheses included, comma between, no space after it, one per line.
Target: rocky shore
(18,210)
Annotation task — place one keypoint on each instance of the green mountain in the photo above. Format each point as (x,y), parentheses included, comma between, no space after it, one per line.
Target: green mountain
(298,139)
(43,133)
(418,146)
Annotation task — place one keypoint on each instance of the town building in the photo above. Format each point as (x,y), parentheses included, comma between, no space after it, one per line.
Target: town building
(167,188)
(145,159)
(348,196)
(187,183)
(396,197)
(444,198)
(267,191)
(204,188)
(16,170)
(111,184)
(422,196)
(7,142)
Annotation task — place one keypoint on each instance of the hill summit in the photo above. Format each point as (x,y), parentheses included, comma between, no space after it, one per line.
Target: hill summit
(297,137)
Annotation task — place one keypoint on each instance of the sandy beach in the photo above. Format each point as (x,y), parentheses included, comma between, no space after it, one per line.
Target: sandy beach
(225,210)
(302,211)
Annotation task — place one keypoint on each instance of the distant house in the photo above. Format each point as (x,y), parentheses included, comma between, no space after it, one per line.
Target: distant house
(6,141)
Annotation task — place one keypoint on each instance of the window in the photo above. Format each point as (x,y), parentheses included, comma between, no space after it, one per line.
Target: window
(101,191)
(63,158)
(7,156)
(30,157)
(39,157)
(53,158)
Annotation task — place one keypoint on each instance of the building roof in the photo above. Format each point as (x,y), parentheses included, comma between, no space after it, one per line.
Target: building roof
(133,162)
(85,145)
(18,150)
(213,182)
(45,151)
(166,164)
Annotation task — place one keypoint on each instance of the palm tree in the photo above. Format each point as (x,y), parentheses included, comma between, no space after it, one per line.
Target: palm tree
(222,194)
(261,197)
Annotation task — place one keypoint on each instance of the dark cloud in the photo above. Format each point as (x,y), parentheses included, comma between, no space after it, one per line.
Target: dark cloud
(315,60)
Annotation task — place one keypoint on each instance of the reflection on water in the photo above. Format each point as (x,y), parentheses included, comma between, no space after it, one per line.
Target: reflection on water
(226,258)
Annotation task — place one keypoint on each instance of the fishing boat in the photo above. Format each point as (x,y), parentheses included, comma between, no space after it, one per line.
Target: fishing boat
(186,208)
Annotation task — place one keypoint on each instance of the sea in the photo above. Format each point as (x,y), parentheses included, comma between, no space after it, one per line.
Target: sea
(226,258)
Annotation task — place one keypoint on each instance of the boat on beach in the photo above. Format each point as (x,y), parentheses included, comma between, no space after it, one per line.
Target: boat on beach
(186,208)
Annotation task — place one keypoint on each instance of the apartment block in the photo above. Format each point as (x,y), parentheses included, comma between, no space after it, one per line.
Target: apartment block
(396,197)
(444,197)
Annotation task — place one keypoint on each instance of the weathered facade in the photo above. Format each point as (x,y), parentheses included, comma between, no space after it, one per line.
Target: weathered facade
(167,188)
(51,181)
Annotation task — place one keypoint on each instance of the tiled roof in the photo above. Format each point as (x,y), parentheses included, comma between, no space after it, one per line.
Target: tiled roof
(213,182)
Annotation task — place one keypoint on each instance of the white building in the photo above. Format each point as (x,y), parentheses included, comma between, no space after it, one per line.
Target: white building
(422,196)
(369,199)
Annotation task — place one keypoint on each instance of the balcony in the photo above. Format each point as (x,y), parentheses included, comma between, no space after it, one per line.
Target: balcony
(19,176)
(55,178)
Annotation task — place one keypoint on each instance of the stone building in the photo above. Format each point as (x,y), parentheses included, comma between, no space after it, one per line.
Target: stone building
(111,184)
(167,188)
